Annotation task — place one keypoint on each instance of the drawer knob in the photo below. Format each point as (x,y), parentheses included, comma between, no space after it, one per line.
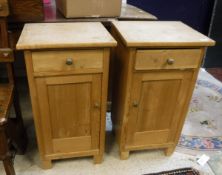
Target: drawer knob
(69,61)
(170,61)
(5,54)
(135,104)
(97,105)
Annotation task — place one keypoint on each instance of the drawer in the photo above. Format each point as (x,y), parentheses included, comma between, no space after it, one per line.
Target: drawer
(4,11)
(6,55)
(72,61)
(167,59)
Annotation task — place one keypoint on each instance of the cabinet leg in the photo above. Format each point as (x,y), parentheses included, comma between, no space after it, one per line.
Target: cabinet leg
(124,155)
(98,159)
(46,164)
(169,151)
(8,165)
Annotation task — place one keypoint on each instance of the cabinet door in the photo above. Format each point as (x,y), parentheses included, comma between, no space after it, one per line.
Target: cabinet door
(70,112)
(158,102)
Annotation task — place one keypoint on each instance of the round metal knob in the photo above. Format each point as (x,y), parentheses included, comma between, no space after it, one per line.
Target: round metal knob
(135,104)
(3,121)
(170,61)
(69,61)
(97,105)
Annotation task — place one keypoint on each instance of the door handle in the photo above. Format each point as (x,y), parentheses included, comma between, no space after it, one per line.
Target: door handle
(96,105)
(135,104)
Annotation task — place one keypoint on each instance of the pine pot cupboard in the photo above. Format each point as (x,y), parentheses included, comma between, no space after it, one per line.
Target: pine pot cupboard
(67,66)
(155,69)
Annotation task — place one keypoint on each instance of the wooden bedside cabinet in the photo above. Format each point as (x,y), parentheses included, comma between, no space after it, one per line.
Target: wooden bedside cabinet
(67,66)
(156,67)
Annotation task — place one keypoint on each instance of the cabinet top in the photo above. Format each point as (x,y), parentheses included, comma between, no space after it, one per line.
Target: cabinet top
(64,35)
(160,34)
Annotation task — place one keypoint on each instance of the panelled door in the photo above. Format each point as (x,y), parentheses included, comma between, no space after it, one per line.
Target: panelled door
(70,112)
(157,106)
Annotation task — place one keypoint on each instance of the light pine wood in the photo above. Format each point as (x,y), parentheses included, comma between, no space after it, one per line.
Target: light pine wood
(150,98)
(69,112)
(105,77)
(4,10)
(149,146)
(45,163)
(159,59)
(121,91)
(159,99)
(64,35)
(64,155)
(55,61)
(169,151)
(67,145)
(159,34)
(69,103)
(124,155)
(186,106)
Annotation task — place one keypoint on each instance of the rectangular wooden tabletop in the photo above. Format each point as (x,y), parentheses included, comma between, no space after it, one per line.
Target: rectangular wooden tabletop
(159,33)
(64,35)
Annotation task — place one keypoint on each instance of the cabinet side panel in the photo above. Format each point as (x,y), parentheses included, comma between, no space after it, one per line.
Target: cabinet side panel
(122,72)
(189,96)
(104,92)
(34,100)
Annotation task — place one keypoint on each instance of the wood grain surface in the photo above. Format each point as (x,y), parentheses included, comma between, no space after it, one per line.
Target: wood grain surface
(55,61)
(161,33)
(159,59)
(4,9)
(159,63)
(3,33)
(69,107)
(26,10)
(64,35)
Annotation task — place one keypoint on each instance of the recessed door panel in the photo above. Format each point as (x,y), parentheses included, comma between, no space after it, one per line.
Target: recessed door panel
(70,106)
(70,111)
(158,98)
(157,102)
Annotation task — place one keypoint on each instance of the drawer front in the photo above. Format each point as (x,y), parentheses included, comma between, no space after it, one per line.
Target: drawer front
(4,11)
(63,61)
(167,59)
(6,55)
